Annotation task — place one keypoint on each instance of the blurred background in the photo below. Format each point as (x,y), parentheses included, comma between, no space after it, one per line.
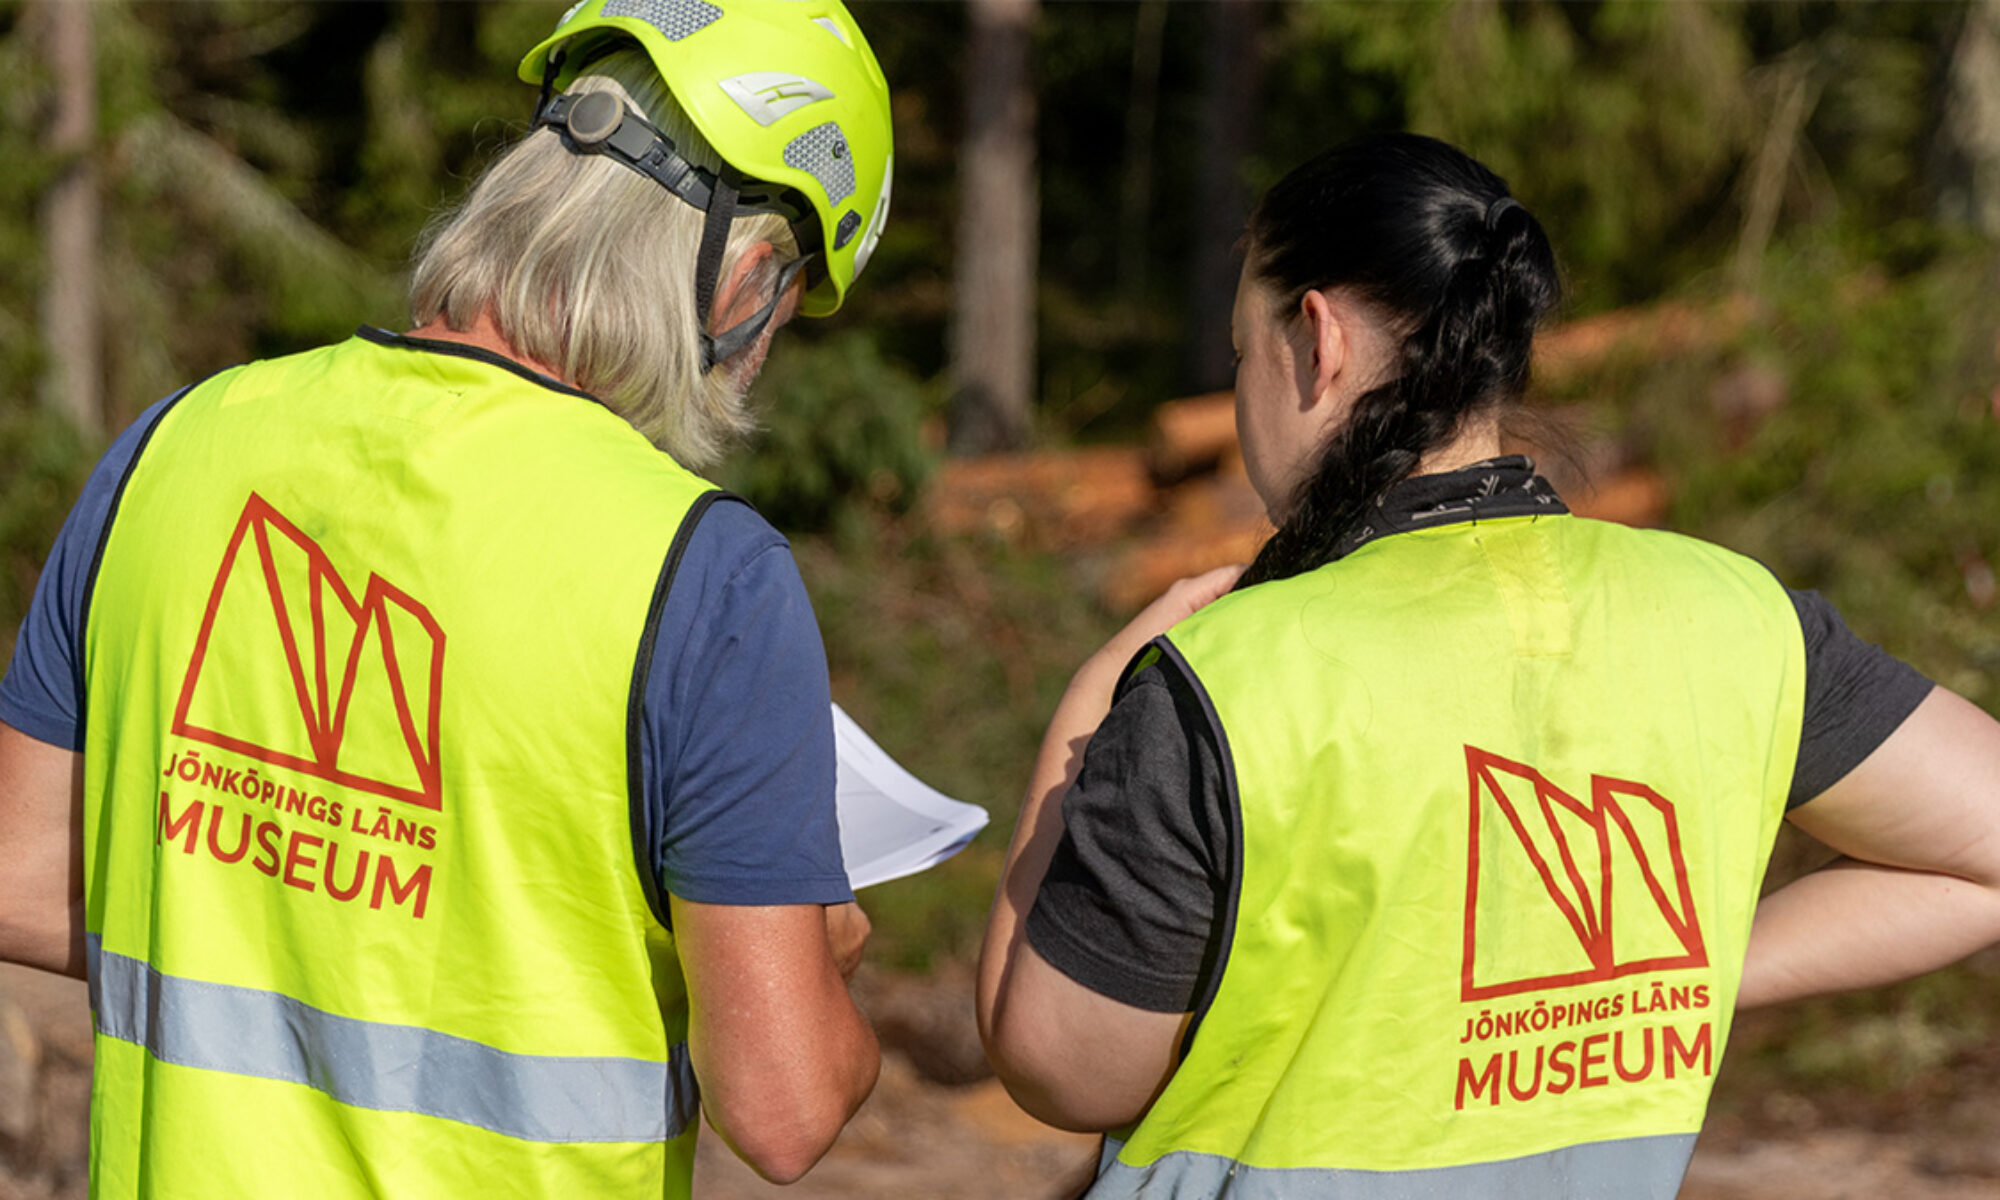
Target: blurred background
(1779,225)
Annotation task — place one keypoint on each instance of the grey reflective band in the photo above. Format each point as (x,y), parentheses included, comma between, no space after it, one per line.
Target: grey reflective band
(1641,1168)
(393,1068)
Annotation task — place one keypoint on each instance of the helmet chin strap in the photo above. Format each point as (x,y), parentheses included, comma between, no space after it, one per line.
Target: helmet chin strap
(599,123)
(708,266)
(733,341)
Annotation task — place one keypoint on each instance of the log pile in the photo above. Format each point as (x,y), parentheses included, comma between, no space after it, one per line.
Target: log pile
(1183,503)
(1046,499)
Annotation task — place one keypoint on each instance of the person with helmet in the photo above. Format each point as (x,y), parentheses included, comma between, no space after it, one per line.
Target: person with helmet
(1422,858)
(432,774)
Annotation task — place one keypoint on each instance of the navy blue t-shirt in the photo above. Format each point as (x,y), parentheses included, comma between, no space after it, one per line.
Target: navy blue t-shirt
(733,817)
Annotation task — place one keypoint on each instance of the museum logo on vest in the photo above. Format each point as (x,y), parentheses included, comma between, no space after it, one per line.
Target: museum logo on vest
(1563,892)
(1560,891)
(321,700)
(365,673)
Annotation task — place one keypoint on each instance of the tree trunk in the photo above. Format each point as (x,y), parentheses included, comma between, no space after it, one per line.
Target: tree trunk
(1231,66)
(1797,93)
(70,220)
(1135,200)
(1969,135)
(993,321)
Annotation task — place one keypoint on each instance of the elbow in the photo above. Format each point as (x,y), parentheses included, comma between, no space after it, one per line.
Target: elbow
(1036,1098)
(782,1161)
(1049,1084)
(784,1131)
(1060,1102)
(782,1147)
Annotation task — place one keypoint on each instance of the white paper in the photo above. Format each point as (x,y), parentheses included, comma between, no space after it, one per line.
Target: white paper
(892,824)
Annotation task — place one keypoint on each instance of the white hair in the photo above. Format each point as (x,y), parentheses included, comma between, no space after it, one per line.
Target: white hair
(589,267)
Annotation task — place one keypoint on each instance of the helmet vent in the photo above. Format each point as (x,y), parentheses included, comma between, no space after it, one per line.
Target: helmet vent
(822,153)
(675,19)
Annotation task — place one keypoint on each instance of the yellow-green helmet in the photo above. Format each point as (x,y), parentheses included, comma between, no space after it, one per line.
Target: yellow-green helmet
(786,91)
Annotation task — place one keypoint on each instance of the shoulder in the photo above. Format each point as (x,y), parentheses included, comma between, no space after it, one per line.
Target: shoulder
(1678,571)
(735,608)
(728,554)
(1644,543)
(730,535)
(1856,696)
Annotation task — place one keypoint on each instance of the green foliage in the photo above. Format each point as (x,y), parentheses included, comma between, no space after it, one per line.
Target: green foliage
(1619,123)
(842,428)
(1889,1052)
(43,464)
(30,168)
(1878,481)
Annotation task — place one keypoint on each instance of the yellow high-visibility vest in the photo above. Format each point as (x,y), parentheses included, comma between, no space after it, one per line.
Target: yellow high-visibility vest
(1505,792)
(365,912)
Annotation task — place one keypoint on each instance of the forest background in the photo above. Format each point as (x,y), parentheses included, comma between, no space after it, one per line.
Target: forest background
(1812,188)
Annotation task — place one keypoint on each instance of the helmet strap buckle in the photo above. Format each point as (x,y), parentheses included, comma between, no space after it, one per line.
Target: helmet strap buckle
(600,123)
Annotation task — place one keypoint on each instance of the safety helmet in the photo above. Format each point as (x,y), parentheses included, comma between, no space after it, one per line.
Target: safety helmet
(788,94)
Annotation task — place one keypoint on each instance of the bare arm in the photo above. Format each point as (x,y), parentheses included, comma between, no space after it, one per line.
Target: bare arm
(1074,1058)
(41,847)
(783,1057)
(1919,822)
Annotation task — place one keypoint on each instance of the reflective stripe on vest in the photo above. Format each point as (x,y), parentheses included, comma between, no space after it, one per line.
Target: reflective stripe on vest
(393,1068)
(1642,1168)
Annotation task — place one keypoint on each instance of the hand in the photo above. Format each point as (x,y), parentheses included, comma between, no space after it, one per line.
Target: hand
(847,930)
(1181,600)
(1096,681)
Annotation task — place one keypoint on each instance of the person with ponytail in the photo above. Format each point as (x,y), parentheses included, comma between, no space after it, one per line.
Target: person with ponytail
(1422,856)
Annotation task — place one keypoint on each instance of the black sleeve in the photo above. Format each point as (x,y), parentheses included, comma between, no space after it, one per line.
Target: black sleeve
(1129,906)
(1857,694)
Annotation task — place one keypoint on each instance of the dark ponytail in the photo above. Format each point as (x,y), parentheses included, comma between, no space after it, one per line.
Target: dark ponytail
(1464,274)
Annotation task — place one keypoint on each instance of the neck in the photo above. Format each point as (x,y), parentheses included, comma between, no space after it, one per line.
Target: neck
(1477,441)
(484,332)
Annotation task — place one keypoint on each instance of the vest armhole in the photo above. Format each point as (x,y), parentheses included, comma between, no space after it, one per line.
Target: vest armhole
(104,540)
(1224,935)
(635,706)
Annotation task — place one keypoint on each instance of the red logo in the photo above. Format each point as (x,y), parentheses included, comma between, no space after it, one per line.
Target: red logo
(372,666)
(1542,864)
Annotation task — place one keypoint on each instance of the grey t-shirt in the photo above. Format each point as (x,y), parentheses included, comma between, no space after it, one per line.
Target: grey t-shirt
(1130,905)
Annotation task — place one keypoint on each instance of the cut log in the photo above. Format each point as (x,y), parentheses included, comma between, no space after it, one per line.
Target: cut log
(1638,496)
(1047,499)
(1209,523)
(1147,570)
(1653,334)
(1191,436)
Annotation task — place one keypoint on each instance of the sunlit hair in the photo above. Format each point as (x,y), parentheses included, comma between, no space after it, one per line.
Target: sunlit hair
(589,267)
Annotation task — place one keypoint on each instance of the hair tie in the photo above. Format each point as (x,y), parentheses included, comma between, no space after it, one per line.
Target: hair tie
(1497,208)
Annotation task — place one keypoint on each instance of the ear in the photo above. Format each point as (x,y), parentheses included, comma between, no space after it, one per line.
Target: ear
(735,300)
(1323,323)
